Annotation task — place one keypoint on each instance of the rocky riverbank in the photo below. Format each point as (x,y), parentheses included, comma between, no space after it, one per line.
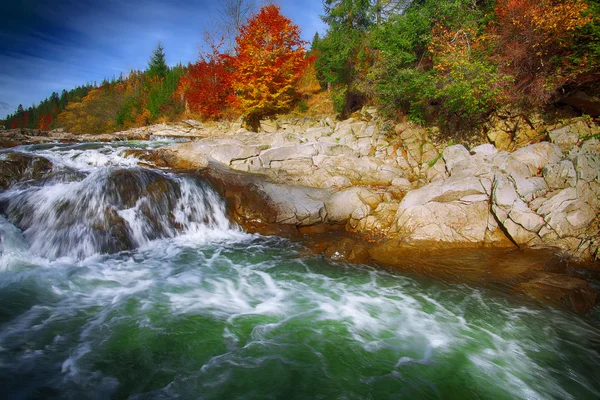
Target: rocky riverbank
(408,184)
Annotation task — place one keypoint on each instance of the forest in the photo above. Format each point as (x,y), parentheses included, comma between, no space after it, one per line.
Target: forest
(430,62)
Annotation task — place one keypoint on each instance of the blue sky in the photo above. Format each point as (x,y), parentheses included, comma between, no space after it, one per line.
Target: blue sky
(48,46)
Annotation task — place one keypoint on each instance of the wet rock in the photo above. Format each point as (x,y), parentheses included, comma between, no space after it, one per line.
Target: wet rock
(256,200)
(183,156)
(17,167)
(561,291)
(347,250)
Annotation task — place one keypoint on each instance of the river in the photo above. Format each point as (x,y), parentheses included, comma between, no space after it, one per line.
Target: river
(118,281)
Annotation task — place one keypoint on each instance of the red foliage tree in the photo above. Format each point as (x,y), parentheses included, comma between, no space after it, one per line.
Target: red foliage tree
(45,121)
(207,85)
(270,59)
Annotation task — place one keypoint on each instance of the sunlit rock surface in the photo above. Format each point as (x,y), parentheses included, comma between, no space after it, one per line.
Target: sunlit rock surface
(543,194)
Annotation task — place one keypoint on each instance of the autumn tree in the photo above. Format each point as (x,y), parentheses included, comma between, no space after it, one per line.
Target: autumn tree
(96,113)
(206,87)
(270,59)
(534,42)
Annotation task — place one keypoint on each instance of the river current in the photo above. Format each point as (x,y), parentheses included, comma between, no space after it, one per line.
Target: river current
(118,281)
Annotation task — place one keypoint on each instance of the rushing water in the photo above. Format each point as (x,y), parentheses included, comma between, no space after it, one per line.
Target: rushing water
(191,307)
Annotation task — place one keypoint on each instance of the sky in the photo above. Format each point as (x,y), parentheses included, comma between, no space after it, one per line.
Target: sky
(47,46)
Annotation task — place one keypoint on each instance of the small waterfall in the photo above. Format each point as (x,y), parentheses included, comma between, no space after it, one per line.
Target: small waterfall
(110,210)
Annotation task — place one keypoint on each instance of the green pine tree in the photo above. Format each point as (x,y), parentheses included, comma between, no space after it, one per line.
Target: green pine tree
(157,66)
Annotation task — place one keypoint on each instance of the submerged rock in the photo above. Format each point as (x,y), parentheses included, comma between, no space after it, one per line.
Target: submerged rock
(561,291)
(17,167)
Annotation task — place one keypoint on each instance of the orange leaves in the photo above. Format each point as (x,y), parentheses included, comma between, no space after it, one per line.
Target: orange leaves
(45,121)
(541,23)
(258,80)
(534,40)
(270,59)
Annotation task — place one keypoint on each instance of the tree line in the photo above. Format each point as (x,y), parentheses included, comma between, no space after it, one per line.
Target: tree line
(252,75)
(430,61)
(438,61)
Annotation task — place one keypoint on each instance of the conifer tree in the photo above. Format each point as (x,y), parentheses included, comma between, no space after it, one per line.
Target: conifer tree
(157,65)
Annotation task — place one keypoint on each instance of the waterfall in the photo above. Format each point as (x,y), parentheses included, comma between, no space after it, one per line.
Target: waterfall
(108,208)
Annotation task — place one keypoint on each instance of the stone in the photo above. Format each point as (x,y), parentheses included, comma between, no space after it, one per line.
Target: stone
(560,175)
(183,156)
(342,204)
(529,188)
(501,139)
(454,155)
(314,134)
(347,250)
(193,123)
(513,214)
(337,182)
(401,183)
(571,211)
(587,167)
(591,145)
(437,172)
(256,200)
(269,126)
(564,137)
(305,151)
(364,146)
(331,149)
(451,189)
(361,212)
(429,153)
(445,222)
(16,167)
(486,150)
(529,161)
(228,152)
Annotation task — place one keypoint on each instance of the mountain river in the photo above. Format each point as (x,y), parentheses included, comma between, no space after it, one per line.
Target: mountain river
(121,281)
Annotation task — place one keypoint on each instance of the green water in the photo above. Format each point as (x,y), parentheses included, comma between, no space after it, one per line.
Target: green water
(208,312)
(250,318)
